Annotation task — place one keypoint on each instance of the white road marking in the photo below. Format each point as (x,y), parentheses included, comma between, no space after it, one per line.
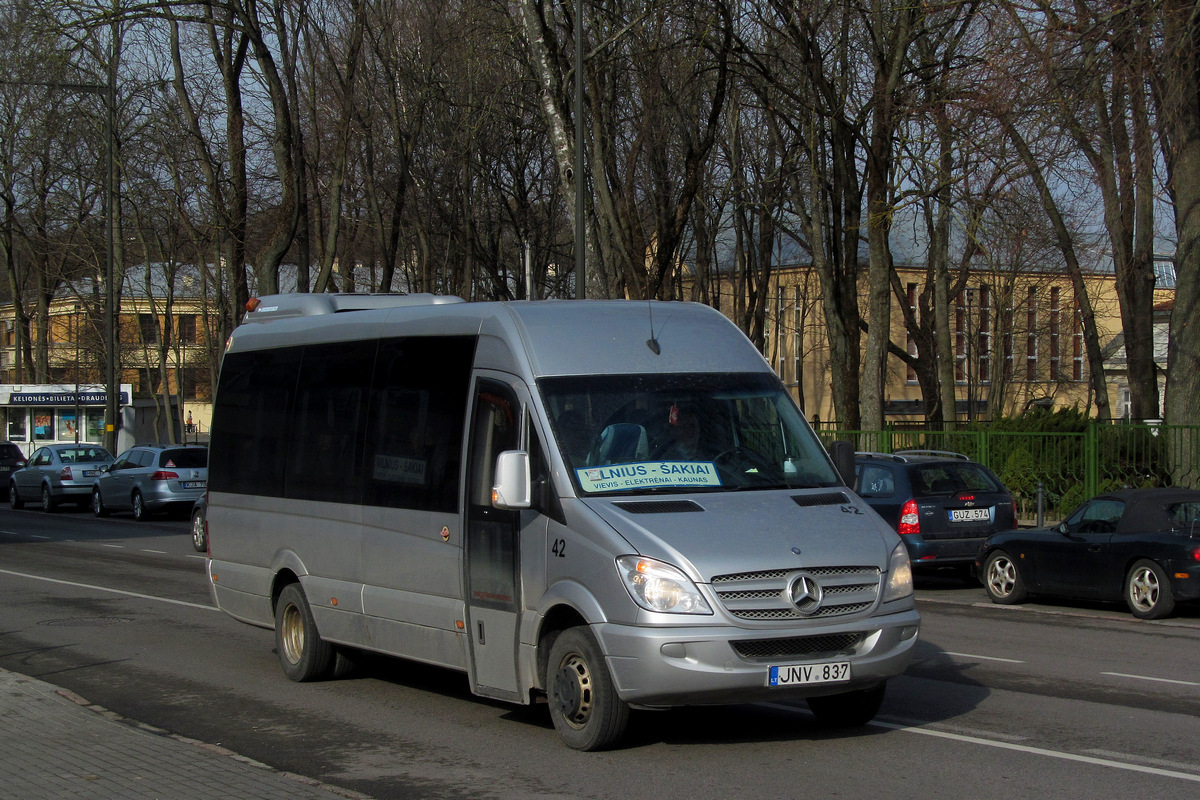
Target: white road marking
(1148,678)
(1116,761)
(160,552)
(985,658)
(1041,751)
(106,589)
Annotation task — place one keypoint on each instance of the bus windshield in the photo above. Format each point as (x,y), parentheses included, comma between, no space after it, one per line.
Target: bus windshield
(683,433)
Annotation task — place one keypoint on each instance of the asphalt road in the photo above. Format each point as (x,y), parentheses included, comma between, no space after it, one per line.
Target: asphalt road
(1041,700)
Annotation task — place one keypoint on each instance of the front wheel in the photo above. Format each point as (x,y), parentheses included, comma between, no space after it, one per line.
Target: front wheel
(305,656)
(1148,591)
(849,709)
(583,701)
(14,498)
(1003,580)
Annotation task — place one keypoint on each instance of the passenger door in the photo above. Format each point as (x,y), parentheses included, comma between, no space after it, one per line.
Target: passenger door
(492,551)
(1078,561)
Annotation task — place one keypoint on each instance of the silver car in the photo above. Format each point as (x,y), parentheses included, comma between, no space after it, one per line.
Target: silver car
(58,473)
(149,478)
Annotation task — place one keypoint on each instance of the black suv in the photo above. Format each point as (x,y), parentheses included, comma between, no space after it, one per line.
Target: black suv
(943,505)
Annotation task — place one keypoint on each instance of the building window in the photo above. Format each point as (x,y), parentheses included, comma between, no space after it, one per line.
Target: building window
(186,329)
(149,328)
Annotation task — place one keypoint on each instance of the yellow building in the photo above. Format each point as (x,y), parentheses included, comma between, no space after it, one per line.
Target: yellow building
(167,359)
(1017,342)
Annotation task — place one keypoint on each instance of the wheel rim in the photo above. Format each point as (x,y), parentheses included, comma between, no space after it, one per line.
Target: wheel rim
(198,532)
(138,510)
(46,498)
(292,634)
(97,506)
(573,690)
(1001,577)
(1144,589)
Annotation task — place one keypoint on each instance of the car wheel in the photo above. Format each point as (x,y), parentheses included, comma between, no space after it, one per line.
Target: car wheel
(199,535)
(1148,591)
(98,503)
(139,507)
(584,705)
(1002,579)
(305,656)
(14,497)
(49,505)
(849,709)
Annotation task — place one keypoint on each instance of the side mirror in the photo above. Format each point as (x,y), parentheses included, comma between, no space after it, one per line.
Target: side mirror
(513,489)
(842,454)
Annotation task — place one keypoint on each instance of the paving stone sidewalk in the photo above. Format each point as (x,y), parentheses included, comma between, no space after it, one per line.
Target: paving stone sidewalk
(54,745)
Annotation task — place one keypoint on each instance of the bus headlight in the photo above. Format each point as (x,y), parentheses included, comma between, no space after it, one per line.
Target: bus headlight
(899,575)
(660,587)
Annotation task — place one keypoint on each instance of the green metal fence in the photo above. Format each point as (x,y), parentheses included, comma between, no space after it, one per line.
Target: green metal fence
(1067,467)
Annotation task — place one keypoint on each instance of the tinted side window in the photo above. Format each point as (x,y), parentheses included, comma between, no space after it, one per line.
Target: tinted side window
(876,482)
(250,421)
(415,427)
(325,439)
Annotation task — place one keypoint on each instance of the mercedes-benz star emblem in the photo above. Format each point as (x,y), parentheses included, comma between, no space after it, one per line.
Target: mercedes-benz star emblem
(805,593)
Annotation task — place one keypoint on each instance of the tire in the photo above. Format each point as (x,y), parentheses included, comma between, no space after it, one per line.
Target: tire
(1002,579)
(139,507)
(15,500)
(849,709)
(49,504)
(584,705)
(98,507)
(1148,591)
(199,534)
(304,655)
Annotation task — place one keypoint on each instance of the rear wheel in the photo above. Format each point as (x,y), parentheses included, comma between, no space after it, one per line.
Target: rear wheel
(305,656)
(583,701)
(49,504)
(849,709)
(1148,591)
(139,507)
(98,503)
(199,534)
(1003,580)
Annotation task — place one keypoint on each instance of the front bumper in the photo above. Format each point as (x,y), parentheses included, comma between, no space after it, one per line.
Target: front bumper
(699,666)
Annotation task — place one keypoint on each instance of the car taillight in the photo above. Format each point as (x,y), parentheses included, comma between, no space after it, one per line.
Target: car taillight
(910,521)
(163,475)
(64,474)
(1196,554)
(1015,517)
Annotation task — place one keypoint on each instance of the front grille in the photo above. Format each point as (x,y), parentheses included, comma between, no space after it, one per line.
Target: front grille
(799,646)
(660,507)
(823,499)
(763,596)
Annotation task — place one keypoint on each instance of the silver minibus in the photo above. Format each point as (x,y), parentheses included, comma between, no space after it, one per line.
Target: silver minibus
(613,505)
